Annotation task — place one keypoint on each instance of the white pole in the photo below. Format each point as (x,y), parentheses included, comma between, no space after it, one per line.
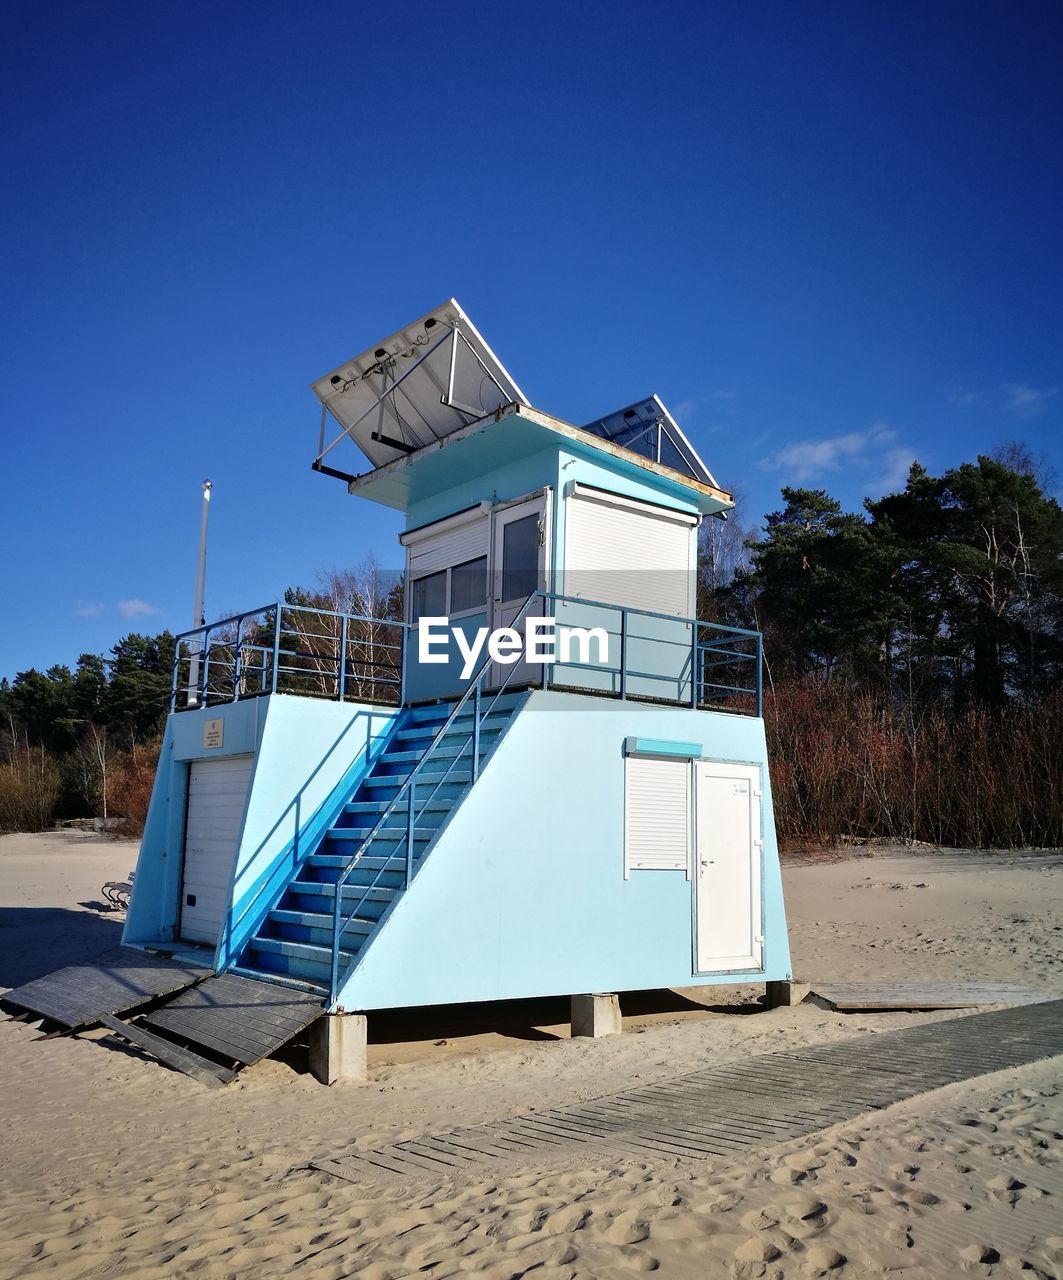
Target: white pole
(197,608)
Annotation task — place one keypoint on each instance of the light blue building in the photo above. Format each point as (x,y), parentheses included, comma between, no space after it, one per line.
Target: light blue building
(343,810)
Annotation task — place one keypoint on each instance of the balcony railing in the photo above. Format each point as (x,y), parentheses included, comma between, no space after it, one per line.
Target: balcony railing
(283,648)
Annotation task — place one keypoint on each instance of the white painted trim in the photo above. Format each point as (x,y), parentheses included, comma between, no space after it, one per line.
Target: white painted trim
(578,490)
(447,524)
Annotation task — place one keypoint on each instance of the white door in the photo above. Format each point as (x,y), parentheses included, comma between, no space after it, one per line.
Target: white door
(728,853)
(217,793)
(519,559)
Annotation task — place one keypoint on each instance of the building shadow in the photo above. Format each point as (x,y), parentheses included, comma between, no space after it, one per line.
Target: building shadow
(35,941)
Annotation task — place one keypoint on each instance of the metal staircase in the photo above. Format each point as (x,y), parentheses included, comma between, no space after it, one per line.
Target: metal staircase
(368,857)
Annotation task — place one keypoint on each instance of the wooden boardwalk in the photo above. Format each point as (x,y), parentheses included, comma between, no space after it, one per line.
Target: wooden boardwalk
(114,982)
(724,1111)
(849,997)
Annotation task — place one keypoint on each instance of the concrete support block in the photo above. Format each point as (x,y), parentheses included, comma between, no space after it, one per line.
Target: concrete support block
(596,1016)
(788,991)
(338,1047)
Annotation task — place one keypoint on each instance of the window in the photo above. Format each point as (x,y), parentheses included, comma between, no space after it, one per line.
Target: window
(520,558)
(468,585)
(429,596)
(656,814)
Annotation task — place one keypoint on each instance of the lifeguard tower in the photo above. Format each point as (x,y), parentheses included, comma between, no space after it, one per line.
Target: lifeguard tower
(354,820)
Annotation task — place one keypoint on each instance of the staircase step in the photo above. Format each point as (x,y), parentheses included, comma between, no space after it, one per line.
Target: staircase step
(325,889)
(278,979)
(427,777)
(378,806)
(346,835)
(369,862)
(302,959)
(462,726)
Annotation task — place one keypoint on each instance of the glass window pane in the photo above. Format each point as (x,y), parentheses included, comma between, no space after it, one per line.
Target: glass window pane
(520,558)
(429,596)
(468,585)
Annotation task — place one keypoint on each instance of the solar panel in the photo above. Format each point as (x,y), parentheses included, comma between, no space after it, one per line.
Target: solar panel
(648,429)
(425,381)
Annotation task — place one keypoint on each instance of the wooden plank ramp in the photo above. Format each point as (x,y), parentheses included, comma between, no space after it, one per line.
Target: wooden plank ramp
(851,997)
(721,1112)
(113,982)
(191,1064)
(238,1018)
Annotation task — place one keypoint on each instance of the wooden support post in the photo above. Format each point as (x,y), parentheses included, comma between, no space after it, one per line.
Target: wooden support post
(596,1016)
(338,1047)
(785,992)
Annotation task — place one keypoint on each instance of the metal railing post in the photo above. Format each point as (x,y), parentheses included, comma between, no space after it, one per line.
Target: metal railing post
(623,653)
(411,815)
(238,659)
(760,674)
(694,665)
(334,980)
(204,667)
(403,650)
(342,685)
(476,733)
(276,645)
(176,673)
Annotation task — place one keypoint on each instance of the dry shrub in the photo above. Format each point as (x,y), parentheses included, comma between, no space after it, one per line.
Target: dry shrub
(845,764)
(131,776)
(30,786)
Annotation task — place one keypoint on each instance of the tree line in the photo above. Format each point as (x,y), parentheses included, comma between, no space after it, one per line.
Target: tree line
(913,654)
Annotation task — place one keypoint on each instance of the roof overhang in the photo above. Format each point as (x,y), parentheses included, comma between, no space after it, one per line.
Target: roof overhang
(513,431)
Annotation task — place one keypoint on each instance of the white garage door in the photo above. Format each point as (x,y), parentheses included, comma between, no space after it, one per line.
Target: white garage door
(217,792)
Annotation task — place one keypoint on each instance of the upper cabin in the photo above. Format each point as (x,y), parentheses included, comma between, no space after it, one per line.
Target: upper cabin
(502,501)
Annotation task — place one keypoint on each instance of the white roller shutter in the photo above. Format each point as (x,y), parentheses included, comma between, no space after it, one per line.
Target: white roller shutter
(217,794)
(656,814)
(621,551)
(453,542)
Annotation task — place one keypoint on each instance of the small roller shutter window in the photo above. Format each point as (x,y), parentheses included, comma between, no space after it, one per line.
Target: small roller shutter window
(456,542)
(625,552)
(656,814)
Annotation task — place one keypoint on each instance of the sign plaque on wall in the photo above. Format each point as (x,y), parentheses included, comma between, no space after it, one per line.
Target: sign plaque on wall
(213,733)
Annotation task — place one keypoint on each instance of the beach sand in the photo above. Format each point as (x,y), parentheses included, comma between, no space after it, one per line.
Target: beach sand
(115,1166)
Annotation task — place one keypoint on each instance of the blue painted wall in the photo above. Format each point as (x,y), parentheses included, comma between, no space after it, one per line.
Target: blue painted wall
(524,895)
(309,755)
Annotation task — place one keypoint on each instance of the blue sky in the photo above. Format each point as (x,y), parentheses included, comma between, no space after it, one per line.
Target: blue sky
(827,234)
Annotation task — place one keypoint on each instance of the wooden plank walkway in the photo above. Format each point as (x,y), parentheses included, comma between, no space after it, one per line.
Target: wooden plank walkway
(113,982)
(237,1018)
(724,1111)
(853,996)
(201,1069)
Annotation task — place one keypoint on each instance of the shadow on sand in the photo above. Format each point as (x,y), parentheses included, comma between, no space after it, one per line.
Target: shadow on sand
(35,941)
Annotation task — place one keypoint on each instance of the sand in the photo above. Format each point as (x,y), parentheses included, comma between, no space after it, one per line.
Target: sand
(114,1166)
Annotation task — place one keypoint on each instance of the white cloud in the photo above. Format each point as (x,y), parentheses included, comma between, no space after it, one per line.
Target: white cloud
(683,410)
(874,456)
(893,475)
(1025,401)
(807,459)
(965,397)
(89,609)
(136,608)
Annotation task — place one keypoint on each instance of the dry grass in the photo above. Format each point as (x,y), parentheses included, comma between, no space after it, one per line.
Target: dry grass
(845,765)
